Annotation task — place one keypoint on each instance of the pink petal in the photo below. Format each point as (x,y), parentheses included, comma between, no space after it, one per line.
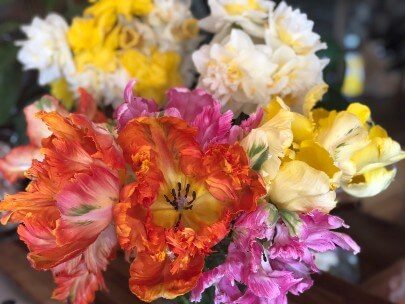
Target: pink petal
(189,103)
(17,161)
(237,133)
(133,107)
(86,204)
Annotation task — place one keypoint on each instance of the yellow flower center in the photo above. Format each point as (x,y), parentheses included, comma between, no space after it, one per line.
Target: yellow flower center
(187,203)
(239,8)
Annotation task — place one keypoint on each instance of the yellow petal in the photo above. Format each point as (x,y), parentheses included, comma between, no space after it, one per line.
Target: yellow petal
(302,128)
(377,131)
(299,187)
(314,95)
(380,152)
(342,134)
(318,158)
(370,183)
(361,111)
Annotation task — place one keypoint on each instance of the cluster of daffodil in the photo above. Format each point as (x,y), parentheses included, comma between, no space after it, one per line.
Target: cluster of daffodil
(259,51)
(114,41)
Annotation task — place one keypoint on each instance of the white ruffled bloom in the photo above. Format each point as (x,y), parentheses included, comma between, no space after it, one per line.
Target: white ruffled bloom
(174,25)
(242,74)
(46,48)
(236,70)
(250,15)
(108,87)
(291,27)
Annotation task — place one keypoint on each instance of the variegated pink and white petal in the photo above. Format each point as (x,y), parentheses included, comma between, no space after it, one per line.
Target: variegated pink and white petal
(78,279)
(86,204)
(17,161)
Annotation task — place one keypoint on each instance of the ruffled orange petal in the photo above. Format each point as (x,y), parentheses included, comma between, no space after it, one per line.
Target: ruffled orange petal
(230,179)
(151,276)
(152,144)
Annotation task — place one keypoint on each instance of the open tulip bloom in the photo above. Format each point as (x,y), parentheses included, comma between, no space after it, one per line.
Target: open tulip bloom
(202,198)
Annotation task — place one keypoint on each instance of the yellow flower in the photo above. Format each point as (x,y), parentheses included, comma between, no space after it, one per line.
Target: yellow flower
(102,58)
(84,34)
(360,151)
(299,187)
(128,8)
(60,90)
(155,74)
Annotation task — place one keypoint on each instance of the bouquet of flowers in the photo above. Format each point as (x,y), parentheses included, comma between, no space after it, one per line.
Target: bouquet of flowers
(220,193)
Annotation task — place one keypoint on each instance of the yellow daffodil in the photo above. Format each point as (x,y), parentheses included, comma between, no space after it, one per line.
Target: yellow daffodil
(123,7)
(155,74)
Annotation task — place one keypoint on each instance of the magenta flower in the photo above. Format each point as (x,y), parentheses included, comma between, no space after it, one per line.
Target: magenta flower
(268,261)
(197,107)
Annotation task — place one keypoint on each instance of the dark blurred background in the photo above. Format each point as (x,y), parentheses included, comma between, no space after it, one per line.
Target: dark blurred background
(366,46)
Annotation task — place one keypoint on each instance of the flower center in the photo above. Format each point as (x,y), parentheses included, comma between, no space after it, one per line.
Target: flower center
(181,199)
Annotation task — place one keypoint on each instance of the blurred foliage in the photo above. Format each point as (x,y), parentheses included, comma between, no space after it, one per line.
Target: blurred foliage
(10,78)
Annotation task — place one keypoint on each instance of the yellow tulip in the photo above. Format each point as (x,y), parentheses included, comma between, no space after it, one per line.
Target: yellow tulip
(299,187)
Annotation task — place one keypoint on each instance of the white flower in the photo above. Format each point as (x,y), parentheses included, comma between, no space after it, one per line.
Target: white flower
(174,25)
(46,48)
(251,15)
(291,27)
(108,87)
(236,69)
(242,74)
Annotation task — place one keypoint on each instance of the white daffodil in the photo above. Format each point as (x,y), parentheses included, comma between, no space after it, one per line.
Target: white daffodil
(288,26)
(175,27)
(299,187)
(46,48)
(250,15)
(242,74)
(101,85)
(236,70)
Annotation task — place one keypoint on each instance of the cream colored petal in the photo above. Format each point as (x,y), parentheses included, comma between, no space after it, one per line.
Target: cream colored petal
(314,95)
(380,152)
(342,135)
(370,183)
(299,187)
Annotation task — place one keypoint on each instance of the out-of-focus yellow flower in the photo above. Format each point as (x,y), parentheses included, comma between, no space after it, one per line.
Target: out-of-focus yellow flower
(155,73)
(124,7)
(102,58)
(60,90)
(84,34)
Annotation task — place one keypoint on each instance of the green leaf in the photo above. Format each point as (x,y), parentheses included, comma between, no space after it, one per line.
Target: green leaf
(10,81)
(292,221)
(8,27)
